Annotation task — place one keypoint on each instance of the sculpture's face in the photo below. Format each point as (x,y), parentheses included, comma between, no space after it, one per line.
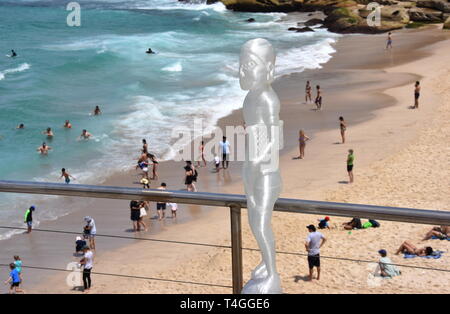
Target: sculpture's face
(252,71)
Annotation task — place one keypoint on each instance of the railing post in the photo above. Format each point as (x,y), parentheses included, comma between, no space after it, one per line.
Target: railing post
(236,248)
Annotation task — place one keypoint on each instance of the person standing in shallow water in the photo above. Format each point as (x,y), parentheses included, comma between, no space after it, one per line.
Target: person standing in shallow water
(66,175)
(350,159)
(343,127)
(416,95)
(308,89)
(389,41)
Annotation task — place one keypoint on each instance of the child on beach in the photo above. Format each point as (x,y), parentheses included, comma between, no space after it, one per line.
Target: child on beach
(15,278)
(217,162)
(66,175)
(18,263)
(343,127)
(416,95)
(323,223)
(28,218)
(145,183)
(173,207)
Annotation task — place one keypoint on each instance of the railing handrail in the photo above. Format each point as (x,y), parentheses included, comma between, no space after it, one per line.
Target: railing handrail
(410,215)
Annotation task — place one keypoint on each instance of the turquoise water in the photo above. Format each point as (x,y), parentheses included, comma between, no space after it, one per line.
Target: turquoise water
(62,72)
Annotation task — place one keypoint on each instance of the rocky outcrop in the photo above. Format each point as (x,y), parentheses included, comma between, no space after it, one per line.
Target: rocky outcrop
(350,16)
(301,29)
(426,15)
(447,23)
(440,5)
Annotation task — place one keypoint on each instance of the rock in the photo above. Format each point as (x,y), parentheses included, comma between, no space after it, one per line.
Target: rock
(439,5)
(251,20)
(313,22)
(425,15)
(300,29)
(262,5)
(447,23)
(211,1)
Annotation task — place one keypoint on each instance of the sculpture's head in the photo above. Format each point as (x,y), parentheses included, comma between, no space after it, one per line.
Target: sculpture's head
(256,64)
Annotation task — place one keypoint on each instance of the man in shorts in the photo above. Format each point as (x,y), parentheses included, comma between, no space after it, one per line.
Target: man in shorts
(314,241)
(161,207)
(225,149)
(28,218)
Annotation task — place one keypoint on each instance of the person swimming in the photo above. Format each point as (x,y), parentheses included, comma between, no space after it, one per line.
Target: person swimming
(67,124)
(85,135)
(44,149)
(49,133)
(97,111)
(13,53)
(20,126)
(150,51)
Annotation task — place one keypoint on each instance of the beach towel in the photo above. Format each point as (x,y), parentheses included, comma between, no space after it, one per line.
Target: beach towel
(434,238)
(436,255)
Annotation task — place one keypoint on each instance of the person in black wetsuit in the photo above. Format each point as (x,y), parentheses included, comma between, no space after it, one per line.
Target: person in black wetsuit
(13,53)
(150,51)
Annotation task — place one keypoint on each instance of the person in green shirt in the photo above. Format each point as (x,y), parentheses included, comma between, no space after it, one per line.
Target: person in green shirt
(350,159)
(28,218)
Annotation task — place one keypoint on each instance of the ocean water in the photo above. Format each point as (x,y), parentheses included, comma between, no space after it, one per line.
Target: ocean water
(63,72)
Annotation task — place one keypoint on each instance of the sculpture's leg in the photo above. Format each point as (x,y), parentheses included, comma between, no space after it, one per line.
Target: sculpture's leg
(260,222)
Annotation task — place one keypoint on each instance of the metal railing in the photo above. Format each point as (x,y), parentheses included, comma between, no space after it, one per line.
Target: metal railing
(235,202)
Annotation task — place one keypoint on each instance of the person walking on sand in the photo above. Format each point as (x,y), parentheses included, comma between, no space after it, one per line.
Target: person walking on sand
(28,218)
(314,241)
(308,89)
(318,100)
(44,149)
(66,175)
(389,41)
(416,95)
(350,159)
(225,149)
(15,278)
(202,154)
(161,207)
(90,231)
(154,167)
(302,138)
(18,263)
(88,262)
(67,124)
(343,127)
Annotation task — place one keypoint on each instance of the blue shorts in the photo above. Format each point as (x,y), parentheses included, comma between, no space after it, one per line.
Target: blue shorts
(29,223)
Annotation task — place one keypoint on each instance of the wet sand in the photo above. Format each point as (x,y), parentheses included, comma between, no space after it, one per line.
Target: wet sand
(353,85)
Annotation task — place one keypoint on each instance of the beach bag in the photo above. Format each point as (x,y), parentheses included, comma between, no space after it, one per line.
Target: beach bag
(143,212)
(367,225)
(375,224)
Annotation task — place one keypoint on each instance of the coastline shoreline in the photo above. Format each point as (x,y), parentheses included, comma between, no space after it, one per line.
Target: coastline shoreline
(288,97)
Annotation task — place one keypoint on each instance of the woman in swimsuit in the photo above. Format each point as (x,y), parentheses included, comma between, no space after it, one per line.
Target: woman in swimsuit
(202,154)
(308,92)
(154,166)
(343,127)
(416,95)
(190,178)
(302,138)
(408,247)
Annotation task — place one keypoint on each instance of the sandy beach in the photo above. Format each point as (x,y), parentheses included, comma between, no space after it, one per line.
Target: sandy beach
(401,160)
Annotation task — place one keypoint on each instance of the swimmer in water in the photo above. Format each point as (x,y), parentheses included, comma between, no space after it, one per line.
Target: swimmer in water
(20,126)
(13,53)
(66,175)
(67,124)
(85,135)
(97,111)
(49,133)
(150,51)
(44,149)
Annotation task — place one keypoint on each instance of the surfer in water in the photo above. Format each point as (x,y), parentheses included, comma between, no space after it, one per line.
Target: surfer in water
(13,53)
(150,51)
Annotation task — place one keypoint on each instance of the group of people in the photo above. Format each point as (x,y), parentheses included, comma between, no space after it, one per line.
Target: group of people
(308,97)
(15,276)
(44,148)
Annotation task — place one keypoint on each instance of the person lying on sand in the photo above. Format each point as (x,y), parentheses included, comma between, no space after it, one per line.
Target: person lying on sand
(408,247)
(355,223)
(442,232)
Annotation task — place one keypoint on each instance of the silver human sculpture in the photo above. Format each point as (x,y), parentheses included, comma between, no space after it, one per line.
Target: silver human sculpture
(261,173)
